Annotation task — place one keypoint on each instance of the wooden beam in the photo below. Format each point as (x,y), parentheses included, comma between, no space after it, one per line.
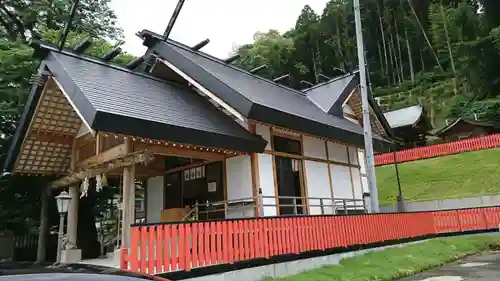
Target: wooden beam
(127,160)
(105,156)
(314,159)
(53,137)
(178,151)
(84,139)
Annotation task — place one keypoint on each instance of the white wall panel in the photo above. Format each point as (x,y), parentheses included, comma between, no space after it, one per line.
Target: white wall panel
(362,161)
(239,177)
(341,181)
(314,147)
(356,180)
(337,152)
(353,155)
(154,199)
(265,133)
(318,185)
(266,182)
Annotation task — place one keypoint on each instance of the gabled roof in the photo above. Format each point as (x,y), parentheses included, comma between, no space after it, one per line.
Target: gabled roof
(408,116)
(257,98)
(333,94)
(326,95)
(466,121)
(114,99)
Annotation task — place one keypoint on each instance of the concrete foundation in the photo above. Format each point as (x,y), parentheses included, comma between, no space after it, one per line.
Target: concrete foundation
(288,268)
(71,256)
(445,204)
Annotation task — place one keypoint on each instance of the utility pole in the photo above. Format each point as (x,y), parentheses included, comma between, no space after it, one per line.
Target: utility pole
(370,163)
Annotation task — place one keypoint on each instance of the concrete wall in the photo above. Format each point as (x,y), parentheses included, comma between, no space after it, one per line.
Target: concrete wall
(285,269)
(446,204)
(154,199)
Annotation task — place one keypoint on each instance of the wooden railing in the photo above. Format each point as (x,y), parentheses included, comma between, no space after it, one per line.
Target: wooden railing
(158,248)
(436,150)
(297,204)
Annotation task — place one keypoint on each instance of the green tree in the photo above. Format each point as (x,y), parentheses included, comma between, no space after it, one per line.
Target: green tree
(23,19)
(19,21)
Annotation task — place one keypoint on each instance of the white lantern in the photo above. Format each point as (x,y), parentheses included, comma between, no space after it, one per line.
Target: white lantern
(63,200)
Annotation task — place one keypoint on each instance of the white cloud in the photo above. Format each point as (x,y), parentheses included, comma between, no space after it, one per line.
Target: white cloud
(225,22)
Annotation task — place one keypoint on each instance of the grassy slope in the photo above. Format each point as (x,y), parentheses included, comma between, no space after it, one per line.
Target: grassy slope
(394,263)
(462,175)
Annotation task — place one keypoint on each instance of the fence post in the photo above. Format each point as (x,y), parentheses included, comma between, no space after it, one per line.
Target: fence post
(294,206)
(124,258)
(345,206)
(226,206)
(321,205)
(196,210)
(261,203)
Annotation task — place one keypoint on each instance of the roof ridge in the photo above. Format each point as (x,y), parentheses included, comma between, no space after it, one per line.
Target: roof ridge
(115,66)
(330,81)
(220,61)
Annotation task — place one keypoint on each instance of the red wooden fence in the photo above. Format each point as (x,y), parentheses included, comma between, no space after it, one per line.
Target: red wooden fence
(183,246)
(436,150)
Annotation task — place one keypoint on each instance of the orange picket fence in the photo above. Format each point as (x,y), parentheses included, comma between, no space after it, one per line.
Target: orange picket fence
(168,247)
(472,144)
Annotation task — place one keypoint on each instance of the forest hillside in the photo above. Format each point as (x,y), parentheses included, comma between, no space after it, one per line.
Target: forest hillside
(440,53)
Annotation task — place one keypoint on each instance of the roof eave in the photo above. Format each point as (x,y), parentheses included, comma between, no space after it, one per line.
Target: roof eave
(270,116)
(119,124)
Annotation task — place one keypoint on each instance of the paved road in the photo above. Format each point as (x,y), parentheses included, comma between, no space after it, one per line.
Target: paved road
(479,268)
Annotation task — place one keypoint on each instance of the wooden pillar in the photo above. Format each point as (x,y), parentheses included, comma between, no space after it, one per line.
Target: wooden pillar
(128,200)
(256,191)
(73,206)
(41,253)
(73,218)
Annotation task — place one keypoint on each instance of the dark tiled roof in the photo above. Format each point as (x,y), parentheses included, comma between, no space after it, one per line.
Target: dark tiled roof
(458,121)
(258,98)
(114,99)
(127,94)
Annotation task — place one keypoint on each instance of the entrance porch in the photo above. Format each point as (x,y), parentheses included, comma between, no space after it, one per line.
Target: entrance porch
(95,133)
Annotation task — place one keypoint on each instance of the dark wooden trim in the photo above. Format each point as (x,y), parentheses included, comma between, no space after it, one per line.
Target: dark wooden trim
(254,162)
(329,170)
(301,157)
(303,180)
